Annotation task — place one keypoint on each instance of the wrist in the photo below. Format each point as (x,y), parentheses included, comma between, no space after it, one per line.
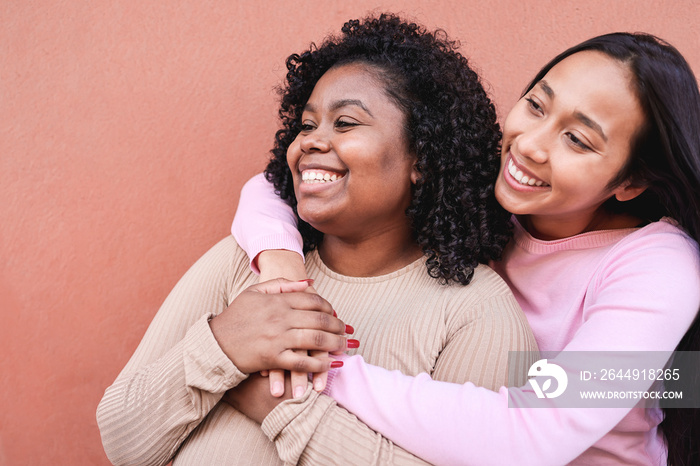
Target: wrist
(280,263)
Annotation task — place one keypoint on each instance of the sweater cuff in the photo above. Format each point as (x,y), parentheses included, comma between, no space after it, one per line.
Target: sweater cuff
(207,367)
(293,422)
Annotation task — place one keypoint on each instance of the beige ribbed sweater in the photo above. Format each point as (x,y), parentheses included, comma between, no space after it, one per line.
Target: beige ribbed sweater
(166,405)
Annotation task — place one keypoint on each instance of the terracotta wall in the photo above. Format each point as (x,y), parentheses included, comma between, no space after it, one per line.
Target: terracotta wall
(126,131)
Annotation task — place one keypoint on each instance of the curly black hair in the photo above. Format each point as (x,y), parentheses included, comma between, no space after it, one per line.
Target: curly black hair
(451,127)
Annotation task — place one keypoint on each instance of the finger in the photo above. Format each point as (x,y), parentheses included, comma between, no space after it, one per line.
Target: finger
(299,382)
(281,285)
(320,378)
(307,301)
(299,379)
(309,339)
(304,363)
(348,330)
(277,383)
(312,320)
(264,373)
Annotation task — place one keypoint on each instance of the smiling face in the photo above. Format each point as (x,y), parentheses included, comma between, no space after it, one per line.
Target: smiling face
(565,141)
(351,164)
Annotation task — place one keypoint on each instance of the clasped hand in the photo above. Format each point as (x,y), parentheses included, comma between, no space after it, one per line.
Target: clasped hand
(265,324)
(273,325)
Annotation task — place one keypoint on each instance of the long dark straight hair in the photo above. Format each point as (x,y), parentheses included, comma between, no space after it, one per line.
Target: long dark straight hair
(665,157)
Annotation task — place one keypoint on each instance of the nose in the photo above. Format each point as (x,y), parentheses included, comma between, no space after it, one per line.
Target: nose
(316,140)
(535,142)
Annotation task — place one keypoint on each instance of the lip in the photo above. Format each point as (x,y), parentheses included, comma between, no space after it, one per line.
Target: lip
(314,185)
(303,166)
(515,184)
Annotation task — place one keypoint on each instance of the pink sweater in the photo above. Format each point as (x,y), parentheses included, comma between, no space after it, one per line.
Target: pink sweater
(618,290)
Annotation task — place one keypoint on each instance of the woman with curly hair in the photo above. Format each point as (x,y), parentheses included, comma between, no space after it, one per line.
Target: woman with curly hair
(600,165)
(382,127)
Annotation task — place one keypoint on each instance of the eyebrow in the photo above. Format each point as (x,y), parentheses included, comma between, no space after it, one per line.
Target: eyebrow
(342,103)
(583,118)
(591,124)
(545,87)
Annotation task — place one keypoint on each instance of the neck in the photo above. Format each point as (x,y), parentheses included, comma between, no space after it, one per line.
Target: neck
(548,229)
(374,255)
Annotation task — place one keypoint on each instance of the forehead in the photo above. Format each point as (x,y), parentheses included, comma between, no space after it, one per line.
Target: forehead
(351,80)
(601,88)
(592,75)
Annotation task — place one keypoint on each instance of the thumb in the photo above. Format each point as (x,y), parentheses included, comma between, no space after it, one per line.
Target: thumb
(281,285)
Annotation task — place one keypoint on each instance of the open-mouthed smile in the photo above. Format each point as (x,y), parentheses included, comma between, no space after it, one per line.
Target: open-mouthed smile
(522,178)
(319,176)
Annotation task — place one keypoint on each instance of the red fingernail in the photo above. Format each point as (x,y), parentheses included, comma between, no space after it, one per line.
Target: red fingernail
(336,364)
(334,313)
(310,281)
(353,343)
(349,329)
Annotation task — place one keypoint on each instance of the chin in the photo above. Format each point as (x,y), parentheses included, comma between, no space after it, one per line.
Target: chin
(315,219)
(511,207)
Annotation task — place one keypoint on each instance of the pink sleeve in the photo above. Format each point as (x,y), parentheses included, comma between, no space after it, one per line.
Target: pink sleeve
(264,221)
(639,308)
(445,423)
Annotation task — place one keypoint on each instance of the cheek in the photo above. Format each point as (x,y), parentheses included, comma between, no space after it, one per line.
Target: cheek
(293,155)
(582,186)
(513,120)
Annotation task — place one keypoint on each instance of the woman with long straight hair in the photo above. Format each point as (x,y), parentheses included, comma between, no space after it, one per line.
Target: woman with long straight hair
(600,165)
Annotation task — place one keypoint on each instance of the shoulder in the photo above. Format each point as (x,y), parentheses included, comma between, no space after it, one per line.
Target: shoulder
(665,232)
(226,251)
(487,305)
(658,263)
(660,244)
(486,282)
(225,262)
(485,287)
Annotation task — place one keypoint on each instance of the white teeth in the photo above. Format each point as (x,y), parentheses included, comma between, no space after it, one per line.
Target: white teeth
(309,176)
(511,168)
(521,177)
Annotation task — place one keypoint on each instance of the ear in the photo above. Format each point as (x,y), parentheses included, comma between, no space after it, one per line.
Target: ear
(415,174)
(627,191)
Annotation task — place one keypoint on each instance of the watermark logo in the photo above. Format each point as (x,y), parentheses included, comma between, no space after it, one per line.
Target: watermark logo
(542,368)
(604,379)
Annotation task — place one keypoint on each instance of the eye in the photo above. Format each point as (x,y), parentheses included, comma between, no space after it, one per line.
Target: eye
(534,106)
(578,142)
(345,123)
(307,126)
